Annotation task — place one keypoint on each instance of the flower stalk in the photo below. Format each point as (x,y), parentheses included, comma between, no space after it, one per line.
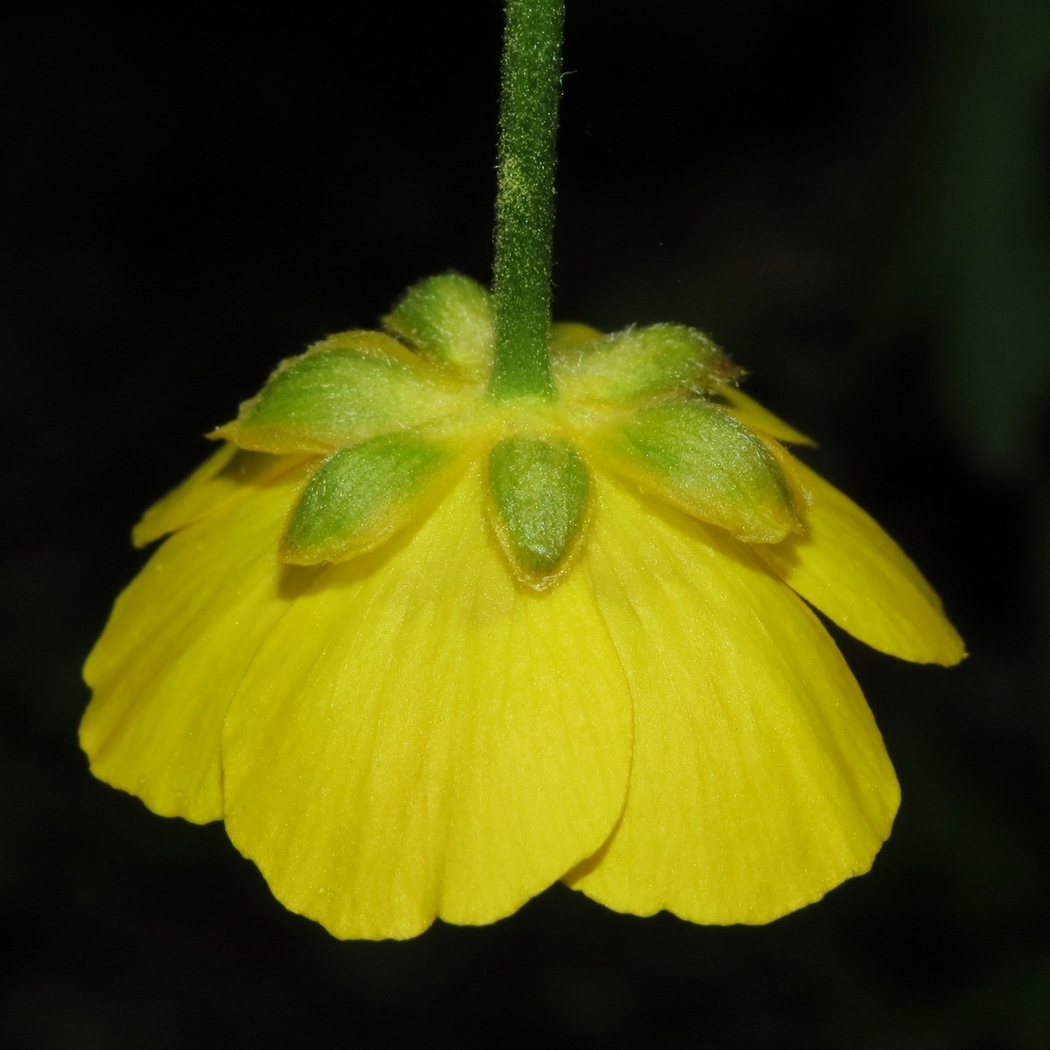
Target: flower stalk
(531,86)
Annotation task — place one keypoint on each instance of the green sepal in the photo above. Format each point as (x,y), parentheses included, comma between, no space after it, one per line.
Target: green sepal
(539,489)
(698,457)
(448,319)
(644,363)
(360,496)
(346,389)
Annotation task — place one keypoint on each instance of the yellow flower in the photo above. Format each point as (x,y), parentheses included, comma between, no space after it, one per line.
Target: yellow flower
(426,653)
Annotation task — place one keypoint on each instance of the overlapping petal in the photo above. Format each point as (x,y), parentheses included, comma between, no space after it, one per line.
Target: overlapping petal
(759,779)
(852,571)
(436,726)
(177,643)
(222,477)
(421,736)
(756,416)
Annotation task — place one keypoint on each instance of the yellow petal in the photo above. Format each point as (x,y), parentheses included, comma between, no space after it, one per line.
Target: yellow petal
(851,570)
(759,778)
(421,736)
(567,336)
(177,644)
(220,478)
(758,417)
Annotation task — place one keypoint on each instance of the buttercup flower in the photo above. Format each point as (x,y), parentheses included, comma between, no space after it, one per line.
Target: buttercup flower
(426,652)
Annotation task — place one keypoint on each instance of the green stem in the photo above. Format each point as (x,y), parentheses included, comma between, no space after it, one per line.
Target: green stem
(525,198)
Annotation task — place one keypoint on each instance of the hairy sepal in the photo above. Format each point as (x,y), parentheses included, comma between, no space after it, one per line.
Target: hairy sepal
(346,389)
(539,490)
(644,364)
(698,457)
(362,495)
(448,319)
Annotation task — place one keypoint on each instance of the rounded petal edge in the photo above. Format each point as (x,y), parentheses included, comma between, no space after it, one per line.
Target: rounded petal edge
(177,643)
(847,566)
(424,738)
(759,780)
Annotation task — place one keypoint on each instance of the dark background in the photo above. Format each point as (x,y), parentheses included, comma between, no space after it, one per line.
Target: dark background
(853,198)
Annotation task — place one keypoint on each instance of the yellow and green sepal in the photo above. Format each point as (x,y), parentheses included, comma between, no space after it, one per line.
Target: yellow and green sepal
(347,388)
(361,495)
(394,413)
(378,409)
(640,364)
(695,455)
(448,320)
(540,489)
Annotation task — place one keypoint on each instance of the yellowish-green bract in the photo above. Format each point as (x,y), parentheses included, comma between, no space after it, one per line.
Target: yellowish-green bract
(426,652)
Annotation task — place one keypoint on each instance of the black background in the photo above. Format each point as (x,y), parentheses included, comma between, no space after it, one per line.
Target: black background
(853,198)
